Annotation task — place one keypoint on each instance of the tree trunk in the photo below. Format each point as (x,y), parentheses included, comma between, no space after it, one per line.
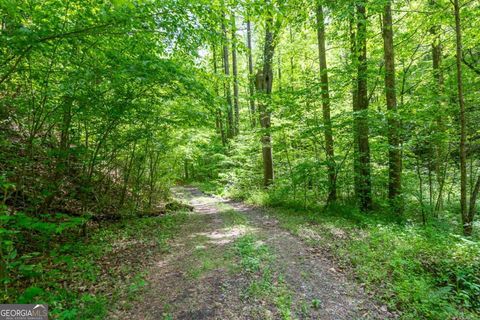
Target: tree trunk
(264,85)
(251,80)
(235,77)
(394,155)
(353,64)
(218,115)
(467,223)
(279,71)
(438,92)
(361,114)
(329,149)
(226,70)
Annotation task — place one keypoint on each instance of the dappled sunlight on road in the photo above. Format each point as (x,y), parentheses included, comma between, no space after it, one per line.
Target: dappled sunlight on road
(224,235)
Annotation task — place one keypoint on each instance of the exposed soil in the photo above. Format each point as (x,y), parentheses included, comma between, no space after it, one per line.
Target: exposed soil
(198,279)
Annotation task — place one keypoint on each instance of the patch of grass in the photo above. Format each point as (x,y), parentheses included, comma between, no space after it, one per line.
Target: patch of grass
(258,263)
(205,260)
(316,303)
(254,255)
(262,285)
(283,302)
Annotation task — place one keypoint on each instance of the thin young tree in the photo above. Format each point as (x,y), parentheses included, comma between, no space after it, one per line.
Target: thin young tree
(226,70)
(329,148)
(218,114)
(251,80)
(438,91)
(235,76)
(394,154)
(466,218)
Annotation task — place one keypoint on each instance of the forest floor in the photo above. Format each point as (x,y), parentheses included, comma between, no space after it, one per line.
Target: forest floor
(234,261)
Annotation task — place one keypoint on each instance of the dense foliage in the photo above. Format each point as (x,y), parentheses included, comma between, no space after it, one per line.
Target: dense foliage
(368,106)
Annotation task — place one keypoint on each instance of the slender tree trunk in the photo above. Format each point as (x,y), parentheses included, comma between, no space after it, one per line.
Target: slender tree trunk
(394,155)
(420,198)
(279,71)
(353,63)
(467,223)
(235,77)
(329,149)
(251,80)
(441,187)
(289,164)
(361,114)
(438,92)
(218,115)
(226,70)
(292,62)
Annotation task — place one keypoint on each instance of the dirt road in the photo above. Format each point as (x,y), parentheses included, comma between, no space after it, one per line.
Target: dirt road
(233,261)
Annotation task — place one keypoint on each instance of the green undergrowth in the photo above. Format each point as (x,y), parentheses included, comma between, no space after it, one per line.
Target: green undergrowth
(423,272)
(81,278)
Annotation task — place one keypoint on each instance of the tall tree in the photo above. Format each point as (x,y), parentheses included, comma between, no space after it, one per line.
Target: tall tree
(361,128)
(329,149)
(264,84)
(218,114)
(466,218)
(353,64)
(226,69)
(438,91)
(235,76)
(251,80)
(394,155)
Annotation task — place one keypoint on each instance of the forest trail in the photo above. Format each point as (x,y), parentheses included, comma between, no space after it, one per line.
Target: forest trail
(233,261)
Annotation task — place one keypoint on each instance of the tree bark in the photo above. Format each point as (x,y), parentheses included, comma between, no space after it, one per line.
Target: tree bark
(394,155)
(235,77)
(467,223)
(361,114)
(329,148)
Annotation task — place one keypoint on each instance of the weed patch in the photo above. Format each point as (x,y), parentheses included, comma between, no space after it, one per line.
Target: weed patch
(81,279)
